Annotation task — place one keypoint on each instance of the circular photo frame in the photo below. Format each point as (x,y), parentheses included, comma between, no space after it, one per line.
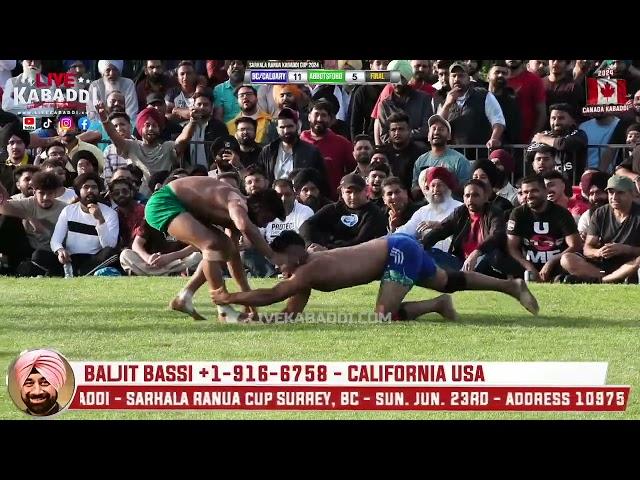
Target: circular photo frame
(41,382)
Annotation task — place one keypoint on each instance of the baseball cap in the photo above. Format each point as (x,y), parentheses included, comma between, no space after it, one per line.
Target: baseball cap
(226,142)
(154,98)
(353,180)
(438,118)
(458,65)
(620,184)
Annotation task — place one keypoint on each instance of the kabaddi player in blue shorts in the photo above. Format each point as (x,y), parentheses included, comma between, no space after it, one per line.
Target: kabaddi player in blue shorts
(397,260)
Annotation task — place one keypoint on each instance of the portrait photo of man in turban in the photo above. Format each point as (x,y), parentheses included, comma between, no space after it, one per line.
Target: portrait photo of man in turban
(40,375)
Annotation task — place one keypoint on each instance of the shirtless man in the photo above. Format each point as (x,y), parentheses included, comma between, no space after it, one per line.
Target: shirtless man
(190,208)
(398,260)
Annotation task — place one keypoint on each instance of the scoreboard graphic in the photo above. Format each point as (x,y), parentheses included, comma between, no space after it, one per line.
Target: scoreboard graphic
(320,76)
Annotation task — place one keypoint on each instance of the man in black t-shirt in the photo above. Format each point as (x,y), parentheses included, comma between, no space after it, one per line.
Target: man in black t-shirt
(612,248)
(539,232)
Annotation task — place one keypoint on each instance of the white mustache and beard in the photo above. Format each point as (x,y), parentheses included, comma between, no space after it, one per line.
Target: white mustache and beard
(438,204)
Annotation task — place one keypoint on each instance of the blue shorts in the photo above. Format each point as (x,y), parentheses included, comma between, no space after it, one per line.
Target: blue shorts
(407,262)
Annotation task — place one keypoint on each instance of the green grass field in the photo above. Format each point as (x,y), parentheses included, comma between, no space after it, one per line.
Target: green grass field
(126,319)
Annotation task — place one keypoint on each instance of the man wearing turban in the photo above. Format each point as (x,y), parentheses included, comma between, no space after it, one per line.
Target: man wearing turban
(111,80)
(40,374)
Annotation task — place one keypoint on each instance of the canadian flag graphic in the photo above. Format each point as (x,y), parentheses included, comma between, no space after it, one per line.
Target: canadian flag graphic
(606,91)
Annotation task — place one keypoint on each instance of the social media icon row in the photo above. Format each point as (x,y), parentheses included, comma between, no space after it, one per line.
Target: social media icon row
(65,123)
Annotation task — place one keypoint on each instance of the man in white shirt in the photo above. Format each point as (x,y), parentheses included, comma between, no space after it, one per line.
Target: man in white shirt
(437,184)
(86,233)
(112,80)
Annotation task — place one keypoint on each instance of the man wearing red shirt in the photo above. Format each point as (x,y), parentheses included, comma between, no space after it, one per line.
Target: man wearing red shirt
(531,98)
(336,150)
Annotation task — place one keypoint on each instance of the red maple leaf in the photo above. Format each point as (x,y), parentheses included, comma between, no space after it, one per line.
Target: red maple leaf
(607,90)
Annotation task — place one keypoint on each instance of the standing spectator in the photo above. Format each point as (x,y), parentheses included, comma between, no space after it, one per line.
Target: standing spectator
(27,80)
(86,233)
(599,131)
(531,98)
(402,151)
(569,142)
(362,103)
(507,99)
(581,70)
(5,70)
(442,86)
(539,232)
(248,102)
(474,114)
(538,67)
(440,155)
(336,150)
(350,221)
(155,80)
(224,94)
(474,67)
(180,99)
(280,157)
(415,104)
(612,248)
(112,80)
(560,87)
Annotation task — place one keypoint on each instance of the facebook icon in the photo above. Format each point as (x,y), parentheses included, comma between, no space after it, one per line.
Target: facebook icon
(83,122)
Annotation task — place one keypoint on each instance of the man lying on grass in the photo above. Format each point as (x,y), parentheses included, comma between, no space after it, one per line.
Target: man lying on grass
(397,260)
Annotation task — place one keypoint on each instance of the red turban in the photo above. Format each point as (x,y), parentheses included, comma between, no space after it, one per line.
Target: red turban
(149,112)
(443,174)
(49,364)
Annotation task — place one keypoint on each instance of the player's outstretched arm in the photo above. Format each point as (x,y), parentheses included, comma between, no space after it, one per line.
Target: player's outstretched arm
(262,296)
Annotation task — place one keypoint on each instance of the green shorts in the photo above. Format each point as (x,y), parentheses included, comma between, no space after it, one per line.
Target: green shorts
(162,208)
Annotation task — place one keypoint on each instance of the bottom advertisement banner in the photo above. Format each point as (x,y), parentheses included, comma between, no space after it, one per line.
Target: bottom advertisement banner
(134,397)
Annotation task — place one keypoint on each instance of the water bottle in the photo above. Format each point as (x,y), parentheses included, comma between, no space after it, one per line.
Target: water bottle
(68,270)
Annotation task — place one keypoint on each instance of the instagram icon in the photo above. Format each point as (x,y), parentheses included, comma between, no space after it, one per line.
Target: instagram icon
(66,123)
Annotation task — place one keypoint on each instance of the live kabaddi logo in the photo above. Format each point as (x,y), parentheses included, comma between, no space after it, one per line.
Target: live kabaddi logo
(62,91)
(606,94)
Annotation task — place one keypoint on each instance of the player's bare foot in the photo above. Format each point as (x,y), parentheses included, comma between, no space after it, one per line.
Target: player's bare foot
(226,314)
(444,306)
(526,298)
(185,306)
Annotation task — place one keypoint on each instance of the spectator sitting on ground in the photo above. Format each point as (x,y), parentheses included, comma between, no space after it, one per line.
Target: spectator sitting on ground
(306,183)
(23,176)
(595,184)
(15,140)
(630,167)
(485,171)
(377,173)
(130,212)
(64,194)
(539,232)
(437,184)
(559,191)
(504,162)
(399,209)
(86,233)
(350,221)
(84,161)
(478,230)
(612,248)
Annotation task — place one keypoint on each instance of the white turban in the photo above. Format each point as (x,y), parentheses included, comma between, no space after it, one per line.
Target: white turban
(103,64)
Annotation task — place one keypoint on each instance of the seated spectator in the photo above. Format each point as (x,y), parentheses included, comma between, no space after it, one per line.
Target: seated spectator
(595,184)
(27,80)
(130,212)
(440,155)
(559,191)
(362,152)
(15,140)
(112,80)
(154,253)
(95,132)
(478,231)
(112,160)
(64,194)
(247,98)
(154,81)
(539,232)
(53,151)
(85,235)
(23,176)
(18,240)
(543,160)
(179,99)
(224,94)
(255,180)
(402,151)
(296,215)
(505,164)
(612,248)
(172,129)
(399,209)
(68,134)
(600,131)
(437,184)
(379,155)
(377,173)
(350,221)
(630,166)
(486,172)
(135,175)
(306,183)
(245,134)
